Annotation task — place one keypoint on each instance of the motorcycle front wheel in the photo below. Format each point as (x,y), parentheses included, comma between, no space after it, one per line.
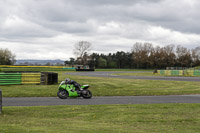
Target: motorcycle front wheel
(87,94)
(62,94)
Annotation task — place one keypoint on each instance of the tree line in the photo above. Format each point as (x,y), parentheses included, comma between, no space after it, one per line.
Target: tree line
(141,56)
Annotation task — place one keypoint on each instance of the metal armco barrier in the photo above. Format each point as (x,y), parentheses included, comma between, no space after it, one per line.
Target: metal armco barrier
(0,101)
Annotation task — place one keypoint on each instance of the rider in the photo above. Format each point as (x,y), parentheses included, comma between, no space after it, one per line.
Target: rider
(76,85)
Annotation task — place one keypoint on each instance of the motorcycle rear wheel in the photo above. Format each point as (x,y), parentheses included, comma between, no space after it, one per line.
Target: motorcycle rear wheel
(87,94)
(62,94)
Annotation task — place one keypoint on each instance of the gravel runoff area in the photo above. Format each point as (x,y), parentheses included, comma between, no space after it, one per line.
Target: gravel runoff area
(107,74)
(44,101)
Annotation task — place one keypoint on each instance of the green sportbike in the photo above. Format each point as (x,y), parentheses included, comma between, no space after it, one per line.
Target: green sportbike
(70,88)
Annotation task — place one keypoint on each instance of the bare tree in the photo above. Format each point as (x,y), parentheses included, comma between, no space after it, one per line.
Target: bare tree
(197,50)
(141,53)
(81,48)
(184,57)
(170,57)
(196,56)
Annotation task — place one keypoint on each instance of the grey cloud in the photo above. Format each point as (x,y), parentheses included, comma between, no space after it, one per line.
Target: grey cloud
(111,2)
(39,21)
(175,15)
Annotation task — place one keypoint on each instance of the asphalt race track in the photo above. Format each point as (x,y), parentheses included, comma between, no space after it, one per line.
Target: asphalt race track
(107,74)
(44,101)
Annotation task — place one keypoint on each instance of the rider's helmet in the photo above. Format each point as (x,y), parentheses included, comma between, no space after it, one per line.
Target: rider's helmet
(67,81)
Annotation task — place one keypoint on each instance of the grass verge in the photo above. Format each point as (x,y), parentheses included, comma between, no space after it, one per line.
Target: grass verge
(60,69)
(149,74)
(136,74)
(148,70)
(101,86)
(102,118)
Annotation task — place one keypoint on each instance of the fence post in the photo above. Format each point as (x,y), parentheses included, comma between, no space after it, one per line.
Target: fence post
(0,101)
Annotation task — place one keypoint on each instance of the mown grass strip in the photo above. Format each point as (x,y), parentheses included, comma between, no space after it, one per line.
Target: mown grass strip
(148,70)
(153,74)
(101,86)
(155,118)
(136,74)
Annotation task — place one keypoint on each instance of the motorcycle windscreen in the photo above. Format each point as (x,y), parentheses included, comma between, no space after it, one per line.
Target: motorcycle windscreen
(85,86)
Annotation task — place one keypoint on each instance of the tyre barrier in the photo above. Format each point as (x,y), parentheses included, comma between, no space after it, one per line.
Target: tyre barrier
(179,72)
(49,78)
(0,101)
(84,69)
(50,67)
(10,78)
(196,72)
(31,78)
(44,78)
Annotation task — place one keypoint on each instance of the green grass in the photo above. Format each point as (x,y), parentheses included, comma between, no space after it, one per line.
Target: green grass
(155,118)
(149,74)
(60,69)
(101,86)
(136,74)
(124,70)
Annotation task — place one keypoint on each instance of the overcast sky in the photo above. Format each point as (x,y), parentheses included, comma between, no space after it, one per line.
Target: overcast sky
(48,29)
